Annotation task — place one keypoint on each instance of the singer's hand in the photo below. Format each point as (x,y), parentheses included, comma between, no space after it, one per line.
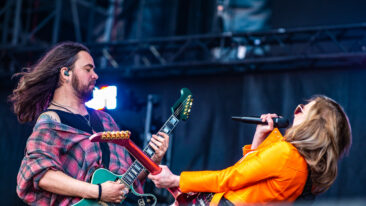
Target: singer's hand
(263,130)
(165,179)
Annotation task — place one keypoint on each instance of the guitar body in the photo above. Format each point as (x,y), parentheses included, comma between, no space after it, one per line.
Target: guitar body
(103,175)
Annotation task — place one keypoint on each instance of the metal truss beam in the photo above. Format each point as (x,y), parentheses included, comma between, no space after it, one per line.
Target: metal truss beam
(23,22)
(25,25)
(315,47)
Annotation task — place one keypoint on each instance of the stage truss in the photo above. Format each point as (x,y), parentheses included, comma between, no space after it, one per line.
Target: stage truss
(300,48)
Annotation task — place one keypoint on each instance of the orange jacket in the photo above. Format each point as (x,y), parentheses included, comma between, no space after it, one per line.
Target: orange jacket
(274,172)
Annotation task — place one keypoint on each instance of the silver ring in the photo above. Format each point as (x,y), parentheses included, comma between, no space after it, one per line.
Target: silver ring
(125,192)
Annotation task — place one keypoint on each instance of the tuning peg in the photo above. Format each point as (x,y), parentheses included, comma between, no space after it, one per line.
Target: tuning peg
(110,135)
(105,135)
(124,135)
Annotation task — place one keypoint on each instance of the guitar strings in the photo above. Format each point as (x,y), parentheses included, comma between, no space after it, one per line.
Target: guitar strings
(136,162)
(177,111)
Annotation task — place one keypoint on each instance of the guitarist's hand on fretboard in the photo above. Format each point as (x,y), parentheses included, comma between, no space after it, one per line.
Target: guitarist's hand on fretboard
(160,145)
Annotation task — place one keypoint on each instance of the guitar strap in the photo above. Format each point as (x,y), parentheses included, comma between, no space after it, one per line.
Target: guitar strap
(98,127)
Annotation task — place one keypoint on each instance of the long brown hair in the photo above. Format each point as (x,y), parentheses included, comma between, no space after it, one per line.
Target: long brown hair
(38,83)
(322,139)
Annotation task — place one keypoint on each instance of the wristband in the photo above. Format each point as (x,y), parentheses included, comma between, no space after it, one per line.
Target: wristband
(99,192)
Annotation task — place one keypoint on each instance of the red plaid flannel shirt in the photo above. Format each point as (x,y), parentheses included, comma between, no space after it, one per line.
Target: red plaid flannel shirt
(57,146)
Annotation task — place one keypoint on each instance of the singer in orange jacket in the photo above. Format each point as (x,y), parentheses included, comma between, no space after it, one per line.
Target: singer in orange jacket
(274,167)
(275,171)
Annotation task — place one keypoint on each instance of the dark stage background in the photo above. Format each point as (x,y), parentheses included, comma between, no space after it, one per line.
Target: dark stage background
(210,140)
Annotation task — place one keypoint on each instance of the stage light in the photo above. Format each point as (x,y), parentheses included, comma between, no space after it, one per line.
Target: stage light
(105,97)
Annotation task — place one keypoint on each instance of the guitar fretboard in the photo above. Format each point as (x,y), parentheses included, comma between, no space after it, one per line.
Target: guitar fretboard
(136,168)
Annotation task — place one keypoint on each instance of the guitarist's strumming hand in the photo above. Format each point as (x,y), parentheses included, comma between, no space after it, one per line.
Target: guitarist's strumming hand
(113,192)
(160,144)
(165,179)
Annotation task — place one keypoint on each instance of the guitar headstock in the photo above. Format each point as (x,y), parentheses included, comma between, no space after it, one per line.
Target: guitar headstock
(182,107)
(110,136)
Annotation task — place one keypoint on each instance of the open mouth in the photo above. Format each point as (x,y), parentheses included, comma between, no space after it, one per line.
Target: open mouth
(299,109)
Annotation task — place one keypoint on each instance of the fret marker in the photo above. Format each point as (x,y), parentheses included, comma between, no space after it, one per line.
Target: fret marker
(166,130)
(139,167)
(149,151)
(130,175)
(127,179)
(134,171)
(173,121)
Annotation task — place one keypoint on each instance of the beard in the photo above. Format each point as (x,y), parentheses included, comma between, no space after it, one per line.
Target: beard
(82,92)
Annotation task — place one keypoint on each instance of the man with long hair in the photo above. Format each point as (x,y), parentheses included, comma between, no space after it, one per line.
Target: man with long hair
(274,168)
(59,158)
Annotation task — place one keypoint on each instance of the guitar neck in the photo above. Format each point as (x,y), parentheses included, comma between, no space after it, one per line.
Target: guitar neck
(167,128)
(136,168)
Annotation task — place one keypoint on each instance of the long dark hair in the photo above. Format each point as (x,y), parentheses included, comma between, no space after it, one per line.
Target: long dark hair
(322,139)
(38,83)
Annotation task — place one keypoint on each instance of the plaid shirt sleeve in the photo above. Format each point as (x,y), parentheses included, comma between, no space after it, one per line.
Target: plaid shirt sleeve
(40,156)
(59,147)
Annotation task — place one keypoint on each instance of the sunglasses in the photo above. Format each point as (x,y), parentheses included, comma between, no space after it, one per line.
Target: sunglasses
(299,109)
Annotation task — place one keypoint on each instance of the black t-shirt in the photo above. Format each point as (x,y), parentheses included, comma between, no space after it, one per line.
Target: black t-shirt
(77,121)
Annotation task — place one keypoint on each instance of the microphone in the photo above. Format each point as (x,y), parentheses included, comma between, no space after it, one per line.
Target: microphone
(279,122)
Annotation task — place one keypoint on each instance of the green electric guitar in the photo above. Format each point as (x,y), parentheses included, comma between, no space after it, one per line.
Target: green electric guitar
(180,111)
